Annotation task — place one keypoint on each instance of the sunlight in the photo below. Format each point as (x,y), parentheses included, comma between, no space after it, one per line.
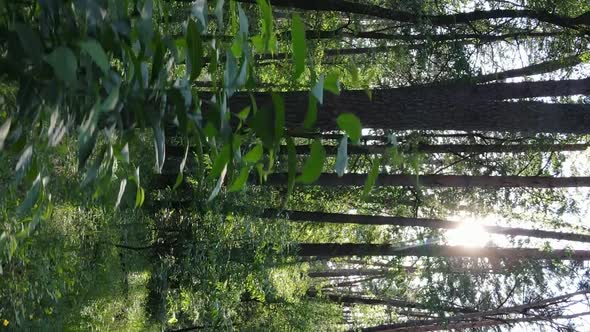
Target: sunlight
(469,234)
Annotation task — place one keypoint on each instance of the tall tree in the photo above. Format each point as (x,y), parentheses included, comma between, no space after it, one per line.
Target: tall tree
(449,19)
(460,181)
(366,249)
(324,217)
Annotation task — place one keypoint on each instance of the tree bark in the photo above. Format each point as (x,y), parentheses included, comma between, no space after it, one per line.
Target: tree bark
(457,181)
(449,148)
(349,299)
(346,273)
(449,19)
(485,38)
(450,107)
(366,249)
(324,217)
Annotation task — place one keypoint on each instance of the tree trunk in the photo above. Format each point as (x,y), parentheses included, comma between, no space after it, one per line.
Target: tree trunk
(450,19)
(449,148)
(449,107)
(349,299)
(457,181)
(412,38)
(323,217)
(366,249)
(346,273)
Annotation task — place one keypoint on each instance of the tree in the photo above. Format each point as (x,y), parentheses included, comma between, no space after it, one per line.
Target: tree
(323,217)
(365,249)
(456,107)
(460,181)
(451,19)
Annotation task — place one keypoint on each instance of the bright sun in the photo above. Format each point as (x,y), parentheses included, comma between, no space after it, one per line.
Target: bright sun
(467,234)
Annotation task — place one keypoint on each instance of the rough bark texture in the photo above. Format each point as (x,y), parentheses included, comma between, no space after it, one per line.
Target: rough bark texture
(420,222)
(365,249)
(450,107)
(460,181)
(451,19)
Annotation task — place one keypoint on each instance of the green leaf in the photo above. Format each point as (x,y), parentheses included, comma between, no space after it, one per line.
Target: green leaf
(110,103)
(24,160)
(218,185)
(194,52)
(312,169)
(268,38)
(243,23)
(64,64)
(96,53)
(342,156)
(121,192)
(123,155)
(199,11)
(241,180)
(312,113)
(87,136)
(31,198)
(4,130)
(299,45)
(318,90)
(218,12)
(351,125)
(254,155)
(263,125)
(221,161)
(30,41)
(180,176)
(158,59)
(292,167)
(243,115)
(139,197)
(332,83)
(279,125)
(160,147)
(372,178)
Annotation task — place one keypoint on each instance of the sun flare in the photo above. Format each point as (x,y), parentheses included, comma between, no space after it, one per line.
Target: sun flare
(468,234)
